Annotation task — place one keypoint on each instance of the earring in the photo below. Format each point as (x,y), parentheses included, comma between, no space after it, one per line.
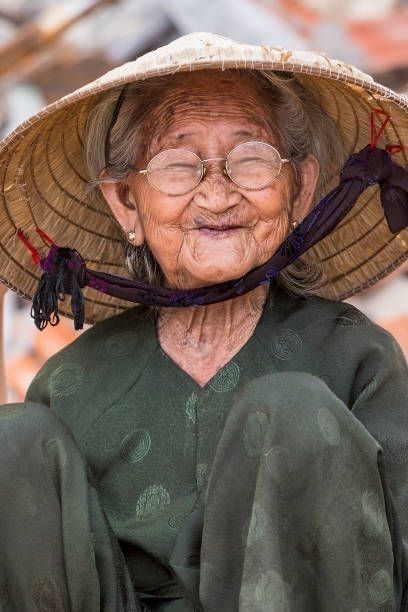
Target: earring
(131,236)
(294,223)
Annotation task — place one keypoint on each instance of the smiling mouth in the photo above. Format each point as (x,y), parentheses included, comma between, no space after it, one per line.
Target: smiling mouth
(219,231)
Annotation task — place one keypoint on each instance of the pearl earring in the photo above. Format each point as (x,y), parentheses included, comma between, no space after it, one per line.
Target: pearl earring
(131,236)
(295,223)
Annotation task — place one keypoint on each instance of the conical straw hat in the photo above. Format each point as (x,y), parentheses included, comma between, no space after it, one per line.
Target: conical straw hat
(44,176)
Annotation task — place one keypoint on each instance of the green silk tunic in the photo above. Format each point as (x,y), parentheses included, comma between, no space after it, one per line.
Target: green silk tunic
(149,432)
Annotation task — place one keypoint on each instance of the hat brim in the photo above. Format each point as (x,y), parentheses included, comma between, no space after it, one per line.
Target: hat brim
(44,178)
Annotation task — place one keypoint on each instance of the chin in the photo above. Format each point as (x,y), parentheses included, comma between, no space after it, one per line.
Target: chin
(218,275)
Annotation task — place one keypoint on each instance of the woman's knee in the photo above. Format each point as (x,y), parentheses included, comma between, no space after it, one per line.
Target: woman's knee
(289,396)
(295,411)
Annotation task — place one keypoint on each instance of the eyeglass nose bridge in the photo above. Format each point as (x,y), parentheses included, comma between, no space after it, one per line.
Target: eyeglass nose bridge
(204,166)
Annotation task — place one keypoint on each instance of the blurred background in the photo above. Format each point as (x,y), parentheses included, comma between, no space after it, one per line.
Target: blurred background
(49,48)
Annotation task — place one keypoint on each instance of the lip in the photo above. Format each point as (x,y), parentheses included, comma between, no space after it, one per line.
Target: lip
(219,228)
(219,231)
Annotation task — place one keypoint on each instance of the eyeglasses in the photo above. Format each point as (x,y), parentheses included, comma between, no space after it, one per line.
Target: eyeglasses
(250,165)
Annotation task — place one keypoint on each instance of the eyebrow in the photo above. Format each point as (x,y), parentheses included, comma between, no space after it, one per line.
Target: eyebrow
(245,133)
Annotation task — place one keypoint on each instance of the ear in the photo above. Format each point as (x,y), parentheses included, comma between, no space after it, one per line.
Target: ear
(308,172)
(124,208)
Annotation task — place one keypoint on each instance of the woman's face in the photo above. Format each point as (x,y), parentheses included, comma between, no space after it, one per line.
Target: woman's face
(210,113)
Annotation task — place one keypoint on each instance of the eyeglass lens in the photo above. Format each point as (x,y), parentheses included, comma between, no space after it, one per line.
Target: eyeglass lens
(251,165)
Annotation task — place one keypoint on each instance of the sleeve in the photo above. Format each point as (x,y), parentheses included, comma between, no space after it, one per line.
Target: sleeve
(380,394)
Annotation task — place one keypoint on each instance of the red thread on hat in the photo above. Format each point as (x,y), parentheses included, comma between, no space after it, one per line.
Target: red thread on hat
(391,149)
(375,135)
(45,237)
(36,257)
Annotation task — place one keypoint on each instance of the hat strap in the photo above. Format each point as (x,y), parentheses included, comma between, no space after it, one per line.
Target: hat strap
(64,270)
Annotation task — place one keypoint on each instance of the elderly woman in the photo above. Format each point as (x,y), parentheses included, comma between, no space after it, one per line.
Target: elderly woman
(239,440)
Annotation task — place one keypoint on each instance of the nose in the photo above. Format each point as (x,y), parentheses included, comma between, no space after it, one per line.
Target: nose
(216,192)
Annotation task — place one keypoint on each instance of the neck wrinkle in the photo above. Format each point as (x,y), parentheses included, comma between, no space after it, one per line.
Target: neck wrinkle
(202,329)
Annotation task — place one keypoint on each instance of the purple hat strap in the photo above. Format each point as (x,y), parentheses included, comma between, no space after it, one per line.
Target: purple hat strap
(64,270)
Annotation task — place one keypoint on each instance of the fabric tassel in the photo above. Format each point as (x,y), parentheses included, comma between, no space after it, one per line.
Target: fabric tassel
(62,274)
(45,303)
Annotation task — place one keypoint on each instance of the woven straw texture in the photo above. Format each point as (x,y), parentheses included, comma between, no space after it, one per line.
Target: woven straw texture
(44,176)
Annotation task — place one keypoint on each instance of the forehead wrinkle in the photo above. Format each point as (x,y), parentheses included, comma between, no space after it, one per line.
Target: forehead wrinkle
(179,129)
(203,98)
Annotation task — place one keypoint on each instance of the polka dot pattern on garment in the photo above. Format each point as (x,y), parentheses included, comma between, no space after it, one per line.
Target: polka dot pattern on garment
(66,379)
(55,456)
(271,592)
(351,317)
(135,446)
(286,344)
(201,474)
(279,463)
(257,525)
(177,520)
(380,587)
(45,596)
(375,521)
(254,433)
(191,408)
(226,379)
(120,344)
(328,426)
(150,500)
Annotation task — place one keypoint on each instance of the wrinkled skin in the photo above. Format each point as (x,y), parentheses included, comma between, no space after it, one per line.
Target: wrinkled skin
(209,113)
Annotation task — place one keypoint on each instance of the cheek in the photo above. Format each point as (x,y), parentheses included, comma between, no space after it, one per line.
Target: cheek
(161,221)
(273,207)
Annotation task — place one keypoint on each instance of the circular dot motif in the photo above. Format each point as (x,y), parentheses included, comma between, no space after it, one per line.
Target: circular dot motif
(375,522)
(120,344)
(351,317)
(254,432)
(257,525)
(380,587)
(201,474)
(278,463)
(176,521)
(135,445)
(66,379)
(328,426)
(226,379)
(286,344)
(55,456)
(55,446)
(191,407)
(150,500)
(45,596)
(270,591)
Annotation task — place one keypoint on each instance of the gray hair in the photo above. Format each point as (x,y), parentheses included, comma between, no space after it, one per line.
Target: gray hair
(298,120)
